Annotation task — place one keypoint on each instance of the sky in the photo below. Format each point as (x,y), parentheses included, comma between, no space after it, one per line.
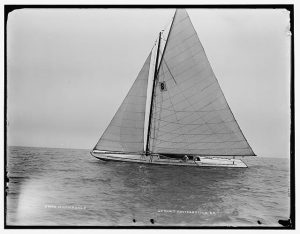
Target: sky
(70,69)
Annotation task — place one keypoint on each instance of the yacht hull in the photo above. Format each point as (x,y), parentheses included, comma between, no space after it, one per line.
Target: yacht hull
(156,160)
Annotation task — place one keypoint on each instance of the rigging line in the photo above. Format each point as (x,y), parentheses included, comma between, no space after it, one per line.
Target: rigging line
(153,120)
(172,106)
(155,75)
(153,132)
(156,107)
(167,41)
(171,102)
(169,70)
(171,99)
(152,97)
(157,122)
(163,37)
(162,96)
(167,24)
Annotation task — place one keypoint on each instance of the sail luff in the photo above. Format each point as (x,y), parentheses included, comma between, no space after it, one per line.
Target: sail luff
(152,96)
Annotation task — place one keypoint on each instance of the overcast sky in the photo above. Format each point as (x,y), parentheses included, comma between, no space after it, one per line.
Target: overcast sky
(70,69)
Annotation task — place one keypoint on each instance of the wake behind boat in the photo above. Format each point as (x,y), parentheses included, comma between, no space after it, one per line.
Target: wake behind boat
(189,123)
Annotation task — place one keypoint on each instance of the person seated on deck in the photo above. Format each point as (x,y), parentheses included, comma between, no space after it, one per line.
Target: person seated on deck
(185,158)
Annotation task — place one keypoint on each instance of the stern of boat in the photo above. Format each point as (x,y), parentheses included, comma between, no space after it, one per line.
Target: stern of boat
(220,162)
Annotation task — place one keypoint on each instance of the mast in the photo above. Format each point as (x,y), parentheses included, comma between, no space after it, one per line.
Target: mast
(157,66)
(152,96)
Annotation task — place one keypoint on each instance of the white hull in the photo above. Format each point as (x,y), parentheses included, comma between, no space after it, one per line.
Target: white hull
(154,159)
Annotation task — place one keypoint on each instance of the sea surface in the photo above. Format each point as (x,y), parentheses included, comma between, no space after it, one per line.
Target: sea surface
(49,186)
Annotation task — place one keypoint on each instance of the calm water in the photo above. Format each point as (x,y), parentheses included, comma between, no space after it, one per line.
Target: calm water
(50,186)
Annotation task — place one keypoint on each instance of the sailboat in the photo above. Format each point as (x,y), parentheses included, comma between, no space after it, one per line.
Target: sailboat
(188,121)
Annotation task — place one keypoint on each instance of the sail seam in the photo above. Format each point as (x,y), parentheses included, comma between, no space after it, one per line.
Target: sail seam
(191,87)
(195,111)
(200,142)
(203,106)
(200,134)
(171,122)
(122,141)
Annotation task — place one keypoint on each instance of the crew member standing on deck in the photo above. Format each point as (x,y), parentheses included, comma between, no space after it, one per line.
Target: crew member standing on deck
(185,158)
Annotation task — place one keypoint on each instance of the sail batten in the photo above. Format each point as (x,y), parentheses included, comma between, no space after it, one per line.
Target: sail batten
(125,132)
(191,114)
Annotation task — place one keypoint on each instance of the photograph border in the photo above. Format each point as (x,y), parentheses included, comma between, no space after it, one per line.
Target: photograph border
(286,224)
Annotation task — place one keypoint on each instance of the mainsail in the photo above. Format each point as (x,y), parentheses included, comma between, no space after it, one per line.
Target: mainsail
(125,133)
(190,114)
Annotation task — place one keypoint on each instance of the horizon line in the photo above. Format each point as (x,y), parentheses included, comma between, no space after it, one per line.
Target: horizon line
(91,148)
